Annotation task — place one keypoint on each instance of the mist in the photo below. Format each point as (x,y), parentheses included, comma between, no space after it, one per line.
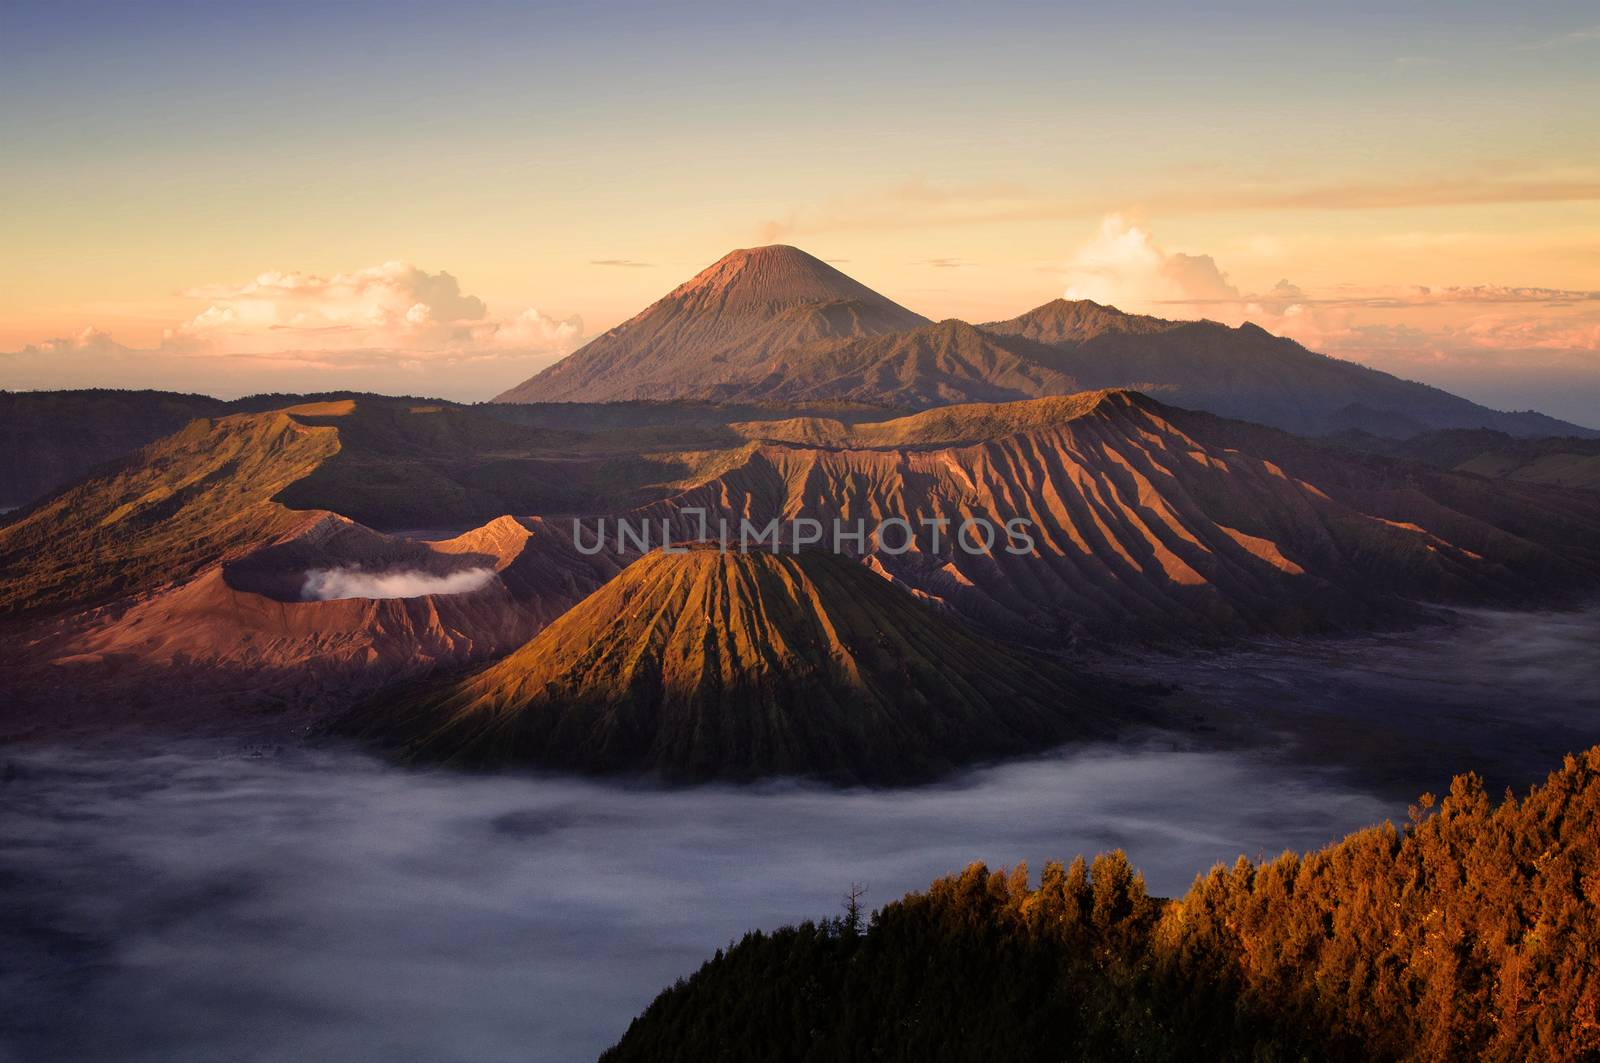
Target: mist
(203,899)
(200,903)
(327,584)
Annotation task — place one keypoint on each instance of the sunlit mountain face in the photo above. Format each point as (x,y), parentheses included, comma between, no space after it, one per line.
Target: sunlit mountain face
(1106,566)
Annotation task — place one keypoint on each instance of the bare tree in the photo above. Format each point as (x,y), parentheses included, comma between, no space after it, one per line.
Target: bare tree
(852,908)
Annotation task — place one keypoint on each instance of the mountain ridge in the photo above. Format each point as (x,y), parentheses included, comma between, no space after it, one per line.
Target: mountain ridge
(776,323)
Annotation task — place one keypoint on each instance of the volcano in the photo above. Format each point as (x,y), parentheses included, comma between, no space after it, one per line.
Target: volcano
(701,664)
(711,331)
(774,324)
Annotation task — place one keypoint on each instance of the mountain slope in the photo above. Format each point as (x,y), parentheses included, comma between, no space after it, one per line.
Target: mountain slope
(1248,373)
(749,305)
(243,643)
(702,664)
(950,361)
(1563,462)
(180,575)
(50,438)
(1150,520)
(179,505)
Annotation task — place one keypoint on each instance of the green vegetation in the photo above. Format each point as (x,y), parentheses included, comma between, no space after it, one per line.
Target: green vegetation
(1471,933)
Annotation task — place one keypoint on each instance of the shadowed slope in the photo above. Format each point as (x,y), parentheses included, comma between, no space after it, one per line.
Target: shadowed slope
(1247,372)
(704,664)
(941,363)
(749,305)
(1562,462)
(50,438)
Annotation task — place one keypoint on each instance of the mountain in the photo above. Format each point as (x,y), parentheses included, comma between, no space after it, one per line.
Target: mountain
(179,576)
(708,332)
(1564,462)
(182,503)
(1466,935)
(176,587)
(51,438)
(1248,373)
(708,664)
(950,361)
(1071,321)
(775,324)
(244,644)
(1152,521)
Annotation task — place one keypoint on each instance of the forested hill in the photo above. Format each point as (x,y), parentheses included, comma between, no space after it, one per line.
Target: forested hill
(1471,933)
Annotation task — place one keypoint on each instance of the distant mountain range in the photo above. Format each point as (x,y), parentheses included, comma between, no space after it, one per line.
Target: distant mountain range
(774,323)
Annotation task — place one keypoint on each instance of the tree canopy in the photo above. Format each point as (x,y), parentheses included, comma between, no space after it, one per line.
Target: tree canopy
(1470,932)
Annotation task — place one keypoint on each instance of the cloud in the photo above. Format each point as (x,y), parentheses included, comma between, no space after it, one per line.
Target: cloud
(531,330)
(1493,332)
(327,584)
(394,306)
(1583,35)
(1122,266)
(89,341)
(623,263)
(392,327)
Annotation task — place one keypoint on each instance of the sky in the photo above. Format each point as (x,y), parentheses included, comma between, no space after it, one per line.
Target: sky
(443,198)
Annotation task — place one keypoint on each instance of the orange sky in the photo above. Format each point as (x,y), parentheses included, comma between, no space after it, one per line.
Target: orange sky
(232,201)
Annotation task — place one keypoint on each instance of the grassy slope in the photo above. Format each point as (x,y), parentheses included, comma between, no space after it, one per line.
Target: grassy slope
(184,502)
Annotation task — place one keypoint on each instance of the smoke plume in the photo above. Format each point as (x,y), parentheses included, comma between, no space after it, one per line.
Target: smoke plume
(326,584)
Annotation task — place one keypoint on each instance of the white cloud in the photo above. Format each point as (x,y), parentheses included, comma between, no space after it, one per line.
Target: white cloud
(1122,266)
(327,584)
(89,341)
(395,306)
(389,328)
(531,330)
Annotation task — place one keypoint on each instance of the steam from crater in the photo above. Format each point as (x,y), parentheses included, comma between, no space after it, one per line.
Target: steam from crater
(326,584)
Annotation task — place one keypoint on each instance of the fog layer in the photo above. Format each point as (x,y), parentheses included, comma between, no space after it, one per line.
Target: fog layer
(198,904)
